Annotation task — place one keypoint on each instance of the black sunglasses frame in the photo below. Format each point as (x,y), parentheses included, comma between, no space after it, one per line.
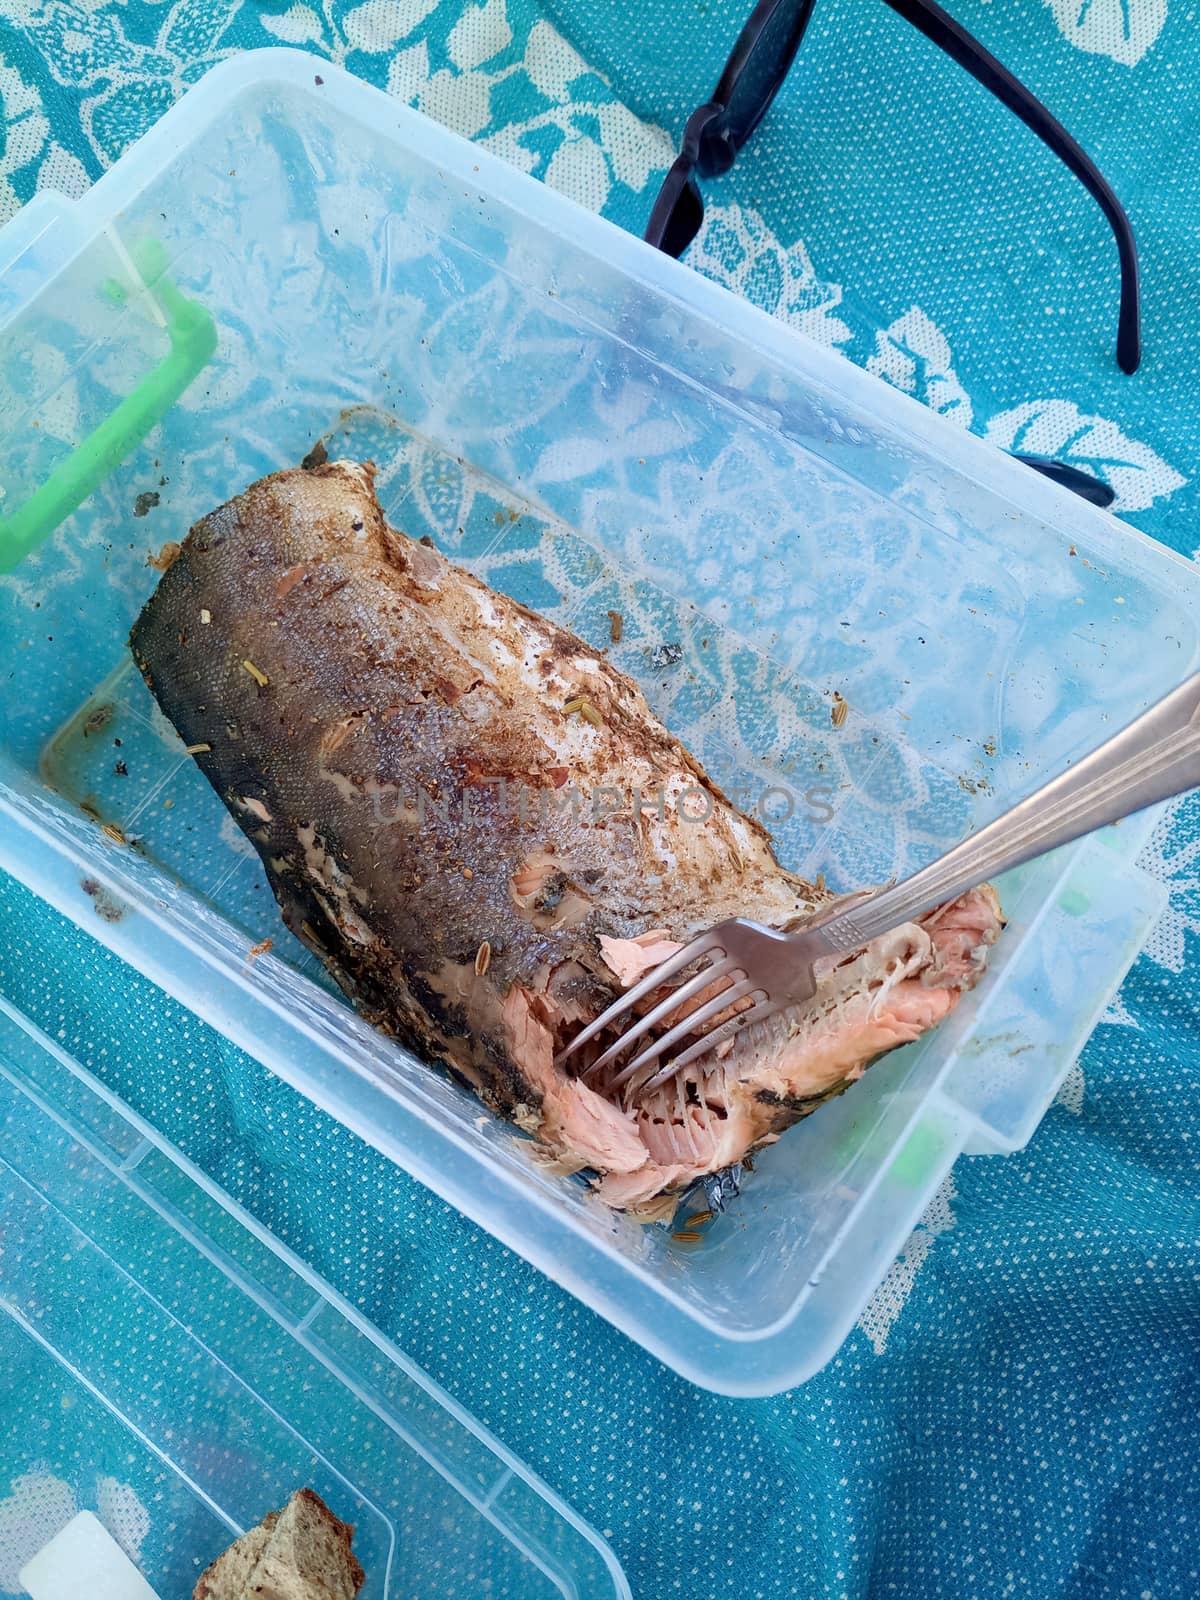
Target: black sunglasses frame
(759,62)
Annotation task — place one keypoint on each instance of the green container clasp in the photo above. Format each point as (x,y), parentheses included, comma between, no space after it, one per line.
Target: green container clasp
(192,336)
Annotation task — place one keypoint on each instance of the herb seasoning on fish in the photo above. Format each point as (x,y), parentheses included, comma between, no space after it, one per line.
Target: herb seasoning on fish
(371,682)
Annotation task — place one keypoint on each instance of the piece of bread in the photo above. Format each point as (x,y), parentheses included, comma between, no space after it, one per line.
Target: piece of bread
(228,1575)
(307,1556)
(300,1553)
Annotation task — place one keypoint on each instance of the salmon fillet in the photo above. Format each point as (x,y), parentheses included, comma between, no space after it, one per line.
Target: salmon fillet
(401,745)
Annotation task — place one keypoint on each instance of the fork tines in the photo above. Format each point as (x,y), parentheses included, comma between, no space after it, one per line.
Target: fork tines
(720,968)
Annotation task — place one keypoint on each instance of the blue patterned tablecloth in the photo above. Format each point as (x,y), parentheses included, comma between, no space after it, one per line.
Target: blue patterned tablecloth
(1018,1412)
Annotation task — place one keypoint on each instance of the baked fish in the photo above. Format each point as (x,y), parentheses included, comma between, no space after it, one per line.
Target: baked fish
(484,833)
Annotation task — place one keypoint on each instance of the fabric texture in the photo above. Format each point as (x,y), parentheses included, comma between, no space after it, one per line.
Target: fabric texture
(1018,1412)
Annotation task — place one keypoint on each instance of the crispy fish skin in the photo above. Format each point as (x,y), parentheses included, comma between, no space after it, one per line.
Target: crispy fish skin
(400,743)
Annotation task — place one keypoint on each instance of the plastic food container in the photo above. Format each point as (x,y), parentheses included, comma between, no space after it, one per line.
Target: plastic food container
(290,257)
(168,1365)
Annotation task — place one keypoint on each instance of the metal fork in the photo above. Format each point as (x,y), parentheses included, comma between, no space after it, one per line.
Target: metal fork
(764,971)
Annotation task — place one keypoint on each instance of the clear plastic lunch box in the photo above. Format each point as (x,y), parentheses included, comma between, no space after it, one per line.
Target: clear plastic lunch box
(168,1366)
(289,257)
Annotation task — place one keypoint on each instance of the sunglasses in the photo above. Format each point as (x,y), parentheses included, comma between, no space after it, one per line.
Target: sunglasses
(761,58)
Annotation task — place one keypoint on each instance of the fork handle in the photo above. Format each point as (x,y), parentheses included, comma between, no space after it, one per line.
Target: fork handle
(1155,757)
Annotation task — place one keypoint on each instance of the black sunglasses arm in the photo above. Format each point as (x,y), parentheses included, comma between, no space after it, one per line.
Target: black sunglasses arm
(943,31)
(678,210)
(760,61)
